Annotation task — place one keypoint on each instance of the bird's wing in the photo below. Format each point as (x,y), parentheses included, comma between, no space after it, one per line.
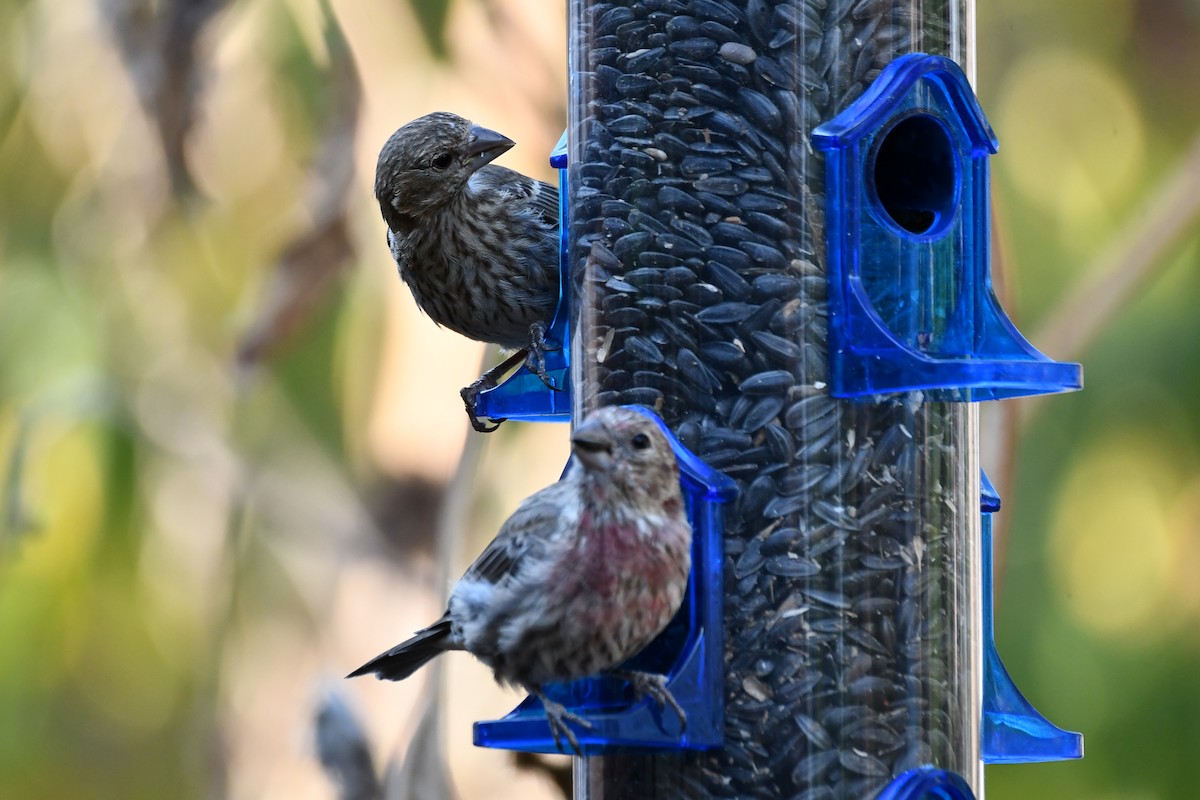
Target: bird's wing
(523,538)
(541,197)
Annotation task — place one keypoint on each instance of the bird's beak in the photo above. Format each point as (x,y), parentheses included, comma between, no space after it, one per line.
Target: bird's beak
(592,443)
(486,145)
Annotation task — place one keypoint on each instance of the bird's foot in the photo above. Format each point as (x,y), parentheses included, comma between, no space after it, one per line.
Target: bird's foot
(488,380)
(469,395)
(558,716)
(535,360)
(654,686)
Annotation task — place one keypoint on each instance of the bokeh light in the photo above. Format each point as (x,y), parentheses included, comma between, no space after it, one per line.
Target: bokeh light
(1111,547)
(1072,138)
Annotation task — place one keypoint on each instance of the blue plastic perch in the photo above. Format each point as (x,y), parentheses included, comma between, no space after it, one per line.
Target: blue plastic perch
(1013,730)
(523,396)
(911,306)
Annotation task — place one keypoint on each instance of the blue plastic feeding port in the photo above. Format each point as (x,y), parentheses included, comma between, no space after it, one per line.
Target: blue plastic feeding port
(927,783)
(907,229)
(690,652)
(1013,730)
(523,396)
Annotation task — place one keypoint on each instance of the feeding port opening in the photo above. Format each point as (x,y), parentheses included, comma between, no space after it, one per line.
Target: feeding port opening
(915,176)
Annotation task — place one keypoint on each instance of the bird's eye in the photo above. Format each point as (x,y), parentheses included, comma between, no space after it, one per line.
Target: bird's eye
(640,441)
(442,161)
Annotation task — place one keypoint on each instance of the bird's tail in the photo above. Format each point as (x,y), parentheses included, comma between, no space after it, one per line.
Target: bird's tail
(407,657)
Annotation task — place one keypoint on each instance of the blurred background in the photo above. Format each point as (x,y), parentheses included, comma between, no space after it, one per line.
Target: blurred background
(228,440)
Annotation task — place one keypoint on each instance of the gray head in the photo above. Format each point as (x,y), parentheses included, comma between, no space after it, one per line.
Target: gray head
(428,161)
(626,449)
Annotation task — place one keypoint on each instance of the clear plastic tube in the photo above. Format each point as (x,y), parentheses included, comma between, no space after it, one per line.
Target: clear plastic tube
(852,606)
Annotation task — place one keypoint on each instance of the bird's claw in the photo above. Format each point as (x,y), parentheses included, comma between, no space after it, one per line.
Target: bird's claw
(488,380)
(469,395)
(557,716)
(654,686)
(535,361)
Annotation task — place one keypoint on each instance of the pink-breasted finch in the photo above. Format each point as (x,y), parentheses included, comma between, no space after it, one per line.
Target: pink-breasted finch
(581,577)
(476,243)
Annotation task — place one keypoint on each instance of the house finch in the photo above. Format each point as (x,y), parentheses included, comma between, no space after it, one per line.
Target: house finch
(476,243)
(582,576)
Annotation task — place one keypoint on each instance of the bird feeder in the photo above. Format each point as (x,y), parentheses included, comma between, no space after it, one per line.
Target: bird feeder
(775,237)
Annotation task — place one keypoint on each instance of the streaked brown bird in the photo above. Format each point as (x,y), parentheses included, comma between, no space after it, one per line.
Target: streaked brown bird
(581,577)
(476,243)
